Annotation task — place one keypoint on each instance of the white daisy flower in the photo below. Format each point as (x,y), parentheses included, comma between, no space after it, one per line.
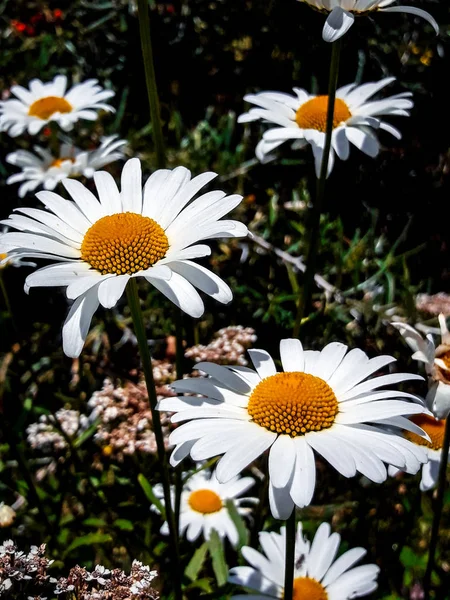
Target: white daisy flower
(317,575)
(203,506)
(342,14)
(49,102)
(435,428)
(6,260)
(319,403)
(437,364)
(46,170)
(100,244)
(303,118)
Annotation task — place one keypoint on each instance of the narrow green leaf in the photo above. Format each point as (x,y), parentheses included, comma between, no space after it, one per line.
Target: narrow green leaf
(196,562)
(150,494)
(239,523)
(123,524)
(89,540)
(219,564)
(94,522)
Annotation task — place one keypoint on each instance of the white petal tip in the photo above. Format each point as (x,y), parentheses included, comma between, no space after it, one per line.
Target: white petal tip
(337,24)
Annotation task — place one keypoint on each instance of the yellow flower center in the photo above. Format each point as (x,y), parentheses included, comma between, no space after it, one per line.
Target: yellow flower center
(3,256)
(446,358)
(434,427)
(313,113)
(44,108)
(124,243)
(293,403)
(205,501)
(59,161)
(306,588)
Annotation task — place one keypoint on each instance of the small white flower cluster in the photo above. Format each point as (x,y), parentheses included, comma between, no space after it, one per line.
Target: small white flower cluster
(17,567)
(106,584)
(46,436)
(227,348)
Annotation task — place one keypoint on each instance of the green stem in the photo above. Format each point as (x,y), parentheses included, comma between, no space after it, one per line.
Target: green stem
(150,79)
(314,237)
(139,329)
(442,480)
(7,302)
(290,557)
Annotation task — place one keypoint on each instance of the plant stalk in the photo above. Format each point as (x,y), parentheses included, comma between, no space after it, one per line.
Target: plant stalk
(139,330)
(290,557)
(150,80)
(442,480)
(314,236)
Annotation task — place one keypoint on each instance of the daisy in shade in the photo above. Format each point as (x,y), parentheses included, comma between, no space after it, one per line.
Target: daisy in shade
(341,14)
(322,403)
(435,428)
(43,103)
(317,575)
(46,170)
(302,119)
(97,245)
(436,361)
(204,506)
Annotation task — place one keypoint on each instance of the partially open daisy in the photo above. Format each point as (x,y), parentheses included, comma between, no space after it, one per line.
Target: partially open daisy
(46,170)
(436,361)
(317,575)
(46,102)
(302,119)
(203,506)
(342,14)
(319,403)
(100,244)
(435,428)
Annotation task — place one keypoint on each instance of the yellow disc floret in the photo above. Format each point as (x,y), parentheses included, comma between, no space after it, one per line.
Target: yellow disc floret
(434,427)
(59,161)
(205,501)
(124,243)
(306,588)
(313,113)
(293,403)
(44,108)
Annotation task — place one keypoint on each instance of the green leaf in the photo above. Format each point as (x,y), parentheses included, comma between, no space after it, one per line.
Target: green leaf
(239,523)
(410,559)
(89,540)
(219,564)
(94,522)
(123,524)
(150,494)
(196,562)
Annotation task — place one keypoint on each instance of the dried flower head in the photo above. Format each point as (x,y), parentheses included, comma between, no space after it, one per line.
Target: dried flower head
(124,416)
(227,348)
(17,568)
(434,305)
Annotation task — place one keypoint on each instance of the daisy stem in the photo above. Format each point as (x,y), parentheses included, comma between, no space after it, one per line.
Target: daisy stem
(139,330)
(7,302)
(150,79)
(290,557)
(442,479)
(314,227)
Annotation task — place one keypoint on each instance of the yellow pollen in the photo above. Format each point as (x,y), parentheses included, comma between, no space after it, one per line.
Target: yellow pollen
(445,358)
(3,256)
(44,108)
(124,243)
(313,114)
(59,161)
(434,427)
(306,588)
(205,501)
(293,403)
